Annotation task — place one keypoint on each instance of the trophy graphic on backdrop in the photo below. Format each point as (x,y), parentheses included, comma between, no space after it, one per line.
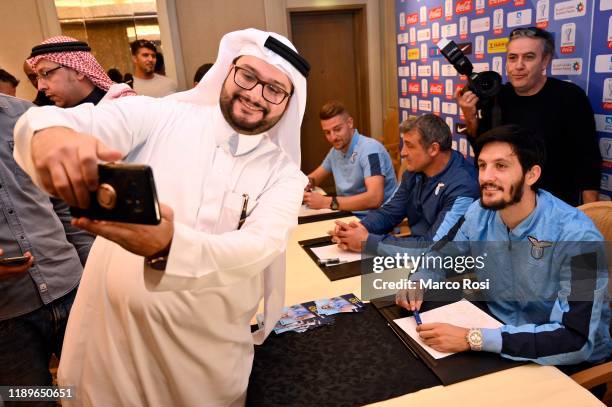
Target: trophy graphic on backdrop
(498,17)
(608,87)
(497,65)
(568,33)
(543,10)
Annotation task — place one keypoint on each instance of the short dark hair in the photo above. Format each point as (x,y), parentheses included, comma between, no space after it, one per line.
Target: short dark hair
(7,77)
(201,72)
(431,128)
(529,147)
(115,75)
(535,32)
(331,109)
(160,65)
(136,45)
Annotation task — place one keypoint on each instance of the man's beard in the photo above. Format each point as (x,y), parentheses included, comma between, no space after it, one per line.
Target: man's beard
(227,103)
(516,194)
(148,69)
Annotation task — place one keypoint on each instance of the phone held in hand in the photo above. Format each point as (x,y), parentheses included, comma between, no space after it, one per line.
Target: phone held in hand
(14,261)
(126,193)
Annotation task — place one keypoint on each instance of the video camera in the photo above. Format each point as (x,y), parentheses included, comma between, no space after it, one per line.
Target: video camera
(485,84)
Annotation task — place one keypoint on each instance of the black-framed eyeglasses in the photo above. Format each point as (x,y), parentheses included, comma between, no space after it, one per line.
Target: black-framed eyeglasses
(45,74)
(530,32)
(270,92)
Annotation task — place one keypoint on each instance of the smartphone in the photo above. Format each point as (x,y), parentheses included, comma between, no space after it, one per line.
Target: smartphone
(14,261)
(126,193)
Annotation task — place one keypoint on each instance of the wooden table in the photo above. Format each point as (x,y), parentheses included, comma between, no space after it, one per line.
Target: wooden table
(529,385)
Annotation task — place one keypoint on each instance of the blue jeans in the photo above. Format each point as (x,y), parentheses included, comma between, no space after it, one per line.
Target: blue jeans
(28,341)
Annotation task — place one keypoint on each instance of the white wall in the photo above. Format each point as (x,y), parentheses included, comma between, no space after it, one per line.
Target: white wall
(202,23)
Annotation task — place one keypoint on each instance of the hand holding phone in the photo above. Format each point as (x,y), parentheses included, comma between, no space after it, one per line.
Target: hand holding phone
(66,163)
(12,266)
(126,193)
(143,240)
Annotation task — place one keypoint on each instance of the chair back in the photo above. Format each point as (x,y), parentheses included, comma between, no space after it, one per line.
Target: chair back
(601,215)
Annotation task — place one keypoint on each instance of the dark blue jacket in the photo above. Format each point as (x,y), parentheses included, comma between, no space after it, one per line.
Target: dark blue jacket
(433,206)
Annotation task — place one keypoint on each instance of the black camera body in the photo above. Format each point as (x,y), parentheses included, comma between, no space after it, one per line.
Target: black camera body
(126,193)
(485,84)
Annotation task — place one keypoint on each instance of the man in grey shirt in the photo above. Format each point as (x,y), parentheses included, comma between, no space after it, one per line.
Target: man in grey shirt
(36,297)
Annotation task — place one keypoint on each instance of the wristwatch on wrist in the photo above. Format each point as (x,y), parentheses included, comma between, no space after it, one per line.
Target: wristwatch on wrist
(474,338)
(334,204)
(158,260)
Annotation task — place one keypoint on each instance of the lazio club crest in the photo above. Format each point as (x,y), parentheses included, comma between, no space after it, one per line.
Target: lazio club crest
(537,247)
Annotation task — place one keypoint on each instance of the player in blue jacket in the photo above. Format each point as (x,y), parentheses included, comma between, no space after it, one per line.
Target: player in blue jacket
(436,190)
(544,264)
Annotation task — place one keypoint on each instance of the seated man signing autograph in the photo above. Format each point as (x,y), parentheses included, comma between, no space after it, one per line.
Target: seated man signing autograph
(361,166)
(547,274)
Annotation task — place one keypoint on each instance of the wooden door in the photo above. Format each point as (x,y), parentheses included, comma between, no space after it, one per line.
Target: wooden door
(334,42)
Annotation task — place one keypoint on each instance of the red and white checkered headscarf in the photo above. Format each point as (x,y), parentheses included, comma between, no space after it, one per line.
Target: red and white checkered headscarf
(81,60)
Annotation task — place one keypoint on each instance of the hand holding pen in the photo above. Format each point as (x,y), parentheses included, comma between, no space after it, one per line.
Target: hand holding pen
(410,299)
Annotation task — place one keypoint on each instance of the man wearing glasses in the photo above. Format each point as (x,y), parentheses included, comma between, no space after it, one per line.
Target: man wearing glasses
(41,99)
(557,110)
(37,295)
(162,314)
(68,73)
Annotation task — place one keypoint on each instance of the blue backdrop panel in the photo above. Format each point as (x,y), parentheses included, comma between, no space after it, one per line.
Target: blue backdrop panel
(427,82)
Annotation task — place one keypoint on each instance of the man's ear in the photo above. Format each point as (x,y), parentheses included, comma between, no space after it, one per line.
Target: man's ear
(350,123)
(533,175)
(434,149)
(546,60)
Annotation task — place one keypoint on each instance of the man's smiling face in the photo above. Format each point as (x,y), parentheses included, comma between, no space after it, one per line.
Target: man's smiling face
(247,111)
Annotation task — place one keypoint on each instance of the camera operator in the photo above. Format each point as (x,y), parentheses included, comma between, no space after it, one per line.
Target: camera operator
(558,111)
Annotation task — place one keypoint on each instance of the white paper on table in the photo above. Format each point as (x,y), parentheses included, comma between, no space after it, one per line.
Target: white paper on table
(332,251)
(306,211)
(461,313)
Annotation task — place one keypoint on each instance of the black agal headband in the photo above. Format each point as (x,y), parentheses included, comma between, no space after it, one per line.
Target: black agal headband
(72,46)
(288,54)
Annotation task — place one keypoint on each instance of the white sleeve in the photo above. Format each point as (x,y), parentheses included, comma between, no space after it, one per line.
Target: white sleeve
(199,259)
(120,124)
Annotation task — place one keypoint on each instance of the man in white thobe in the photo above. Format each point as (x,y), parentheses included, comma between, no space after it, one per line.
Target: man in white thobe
(140,334)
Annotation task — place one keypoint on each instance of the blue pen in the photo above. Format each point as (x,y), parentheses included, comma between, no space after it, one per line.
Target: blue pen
(417,317)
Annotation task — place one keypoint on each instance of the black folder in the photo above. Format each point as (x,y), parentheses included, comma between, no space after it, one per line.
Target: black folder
(340,271)
(451,369)
(323,216)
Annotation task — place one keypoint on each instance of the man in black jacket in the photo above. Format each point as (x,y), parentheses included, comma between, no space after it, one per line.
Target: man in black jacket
(556,110)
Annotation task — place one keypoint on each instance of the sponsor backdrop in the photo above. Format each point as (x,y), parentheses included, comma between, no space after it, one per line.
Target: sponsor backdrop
(427,82)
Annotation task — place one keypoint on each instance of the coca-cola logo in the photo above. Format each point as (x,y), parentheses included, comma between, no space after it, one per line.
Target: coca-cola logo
(412,18)
(436,88)
(464,6)
(435,13)
(414,87)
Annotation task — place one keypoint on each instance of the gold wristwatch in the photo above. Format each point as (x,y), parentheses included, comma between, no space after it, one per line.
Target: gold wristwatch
(475,340)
